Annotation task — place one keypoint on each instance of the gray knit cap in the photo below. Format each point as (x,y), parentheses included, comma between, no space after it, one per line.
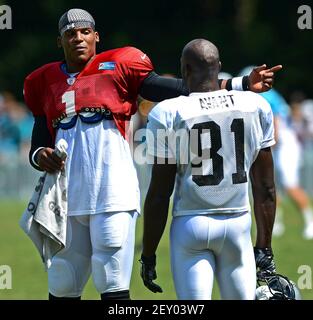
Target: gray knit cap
(76,18)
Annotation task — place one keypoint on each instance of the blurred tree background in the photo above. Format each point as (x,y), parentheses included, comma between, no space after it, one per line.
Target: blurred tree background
(246,32)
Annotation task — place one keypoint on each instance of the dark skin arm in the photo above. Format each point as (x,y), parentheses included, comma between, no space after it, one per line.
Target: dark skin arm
(156,205)
(155,217)
(264,195)
(157,88)
(45,158)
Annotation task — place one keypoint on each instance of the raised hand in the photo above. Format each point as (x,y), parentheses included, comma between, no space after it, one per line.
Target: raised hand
(261,79)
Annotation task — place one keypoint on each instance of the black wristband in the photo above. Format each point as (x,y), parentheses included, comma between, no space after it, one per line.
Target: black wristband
(245,83)
(267,251)
(228,85)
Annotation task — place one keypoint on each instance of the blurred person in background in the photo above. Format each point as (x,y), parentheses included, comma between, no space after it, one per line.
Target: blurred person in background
(301,118)
(287,157)
(307,112)
(16,122)
(22,118)
(297,120)
(10,134)
(302,122)
(139,121)
(15,129)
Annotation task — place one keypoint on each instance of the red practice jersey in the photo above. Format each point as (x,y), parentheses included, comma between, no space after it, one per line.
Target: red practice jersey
(111,80)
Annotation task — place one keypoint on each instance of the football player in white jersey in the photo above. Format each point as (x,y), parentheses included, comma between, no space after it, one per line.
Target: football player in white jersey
(211,142)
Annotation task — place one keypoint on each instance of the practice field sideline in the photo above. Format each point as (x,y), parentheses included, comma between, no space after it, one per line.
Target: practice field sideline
(29,280)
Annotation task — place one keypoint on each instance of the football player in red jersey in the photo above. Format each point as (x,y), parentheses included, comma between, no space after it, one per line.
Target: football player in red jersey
(87,99)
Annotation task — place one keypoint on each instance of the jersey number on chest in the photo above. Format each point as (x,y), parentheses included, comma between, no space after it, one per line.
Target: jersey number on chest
(69,99)
(237,129)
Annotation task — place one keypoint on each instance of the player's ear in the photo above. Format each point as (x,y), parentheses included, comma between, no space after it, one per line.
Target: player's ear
(97,37)
(220,64)
(59,42)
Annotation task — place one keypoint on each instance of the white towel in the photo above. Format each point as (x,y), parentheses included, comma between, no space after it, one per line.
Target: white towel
(45,218)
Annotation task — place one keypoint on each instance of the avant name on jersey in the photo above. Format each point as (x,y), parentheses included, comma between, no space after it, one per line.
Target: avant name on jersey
(224,132)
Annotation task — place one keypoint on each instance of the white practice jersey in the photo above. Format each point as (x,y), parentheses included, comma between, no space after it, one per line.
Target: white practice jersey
(214,138)
(100,169)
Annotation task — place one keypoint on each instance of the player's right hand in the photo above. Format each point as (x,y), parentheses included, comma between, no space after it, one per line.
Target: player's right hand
(148,273)
(264,260)
(49,161)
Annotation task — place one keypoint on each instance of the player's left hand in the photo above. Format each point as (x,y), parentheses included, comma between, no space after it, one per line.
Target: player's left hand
(148,273)
(264,260)
(261,79)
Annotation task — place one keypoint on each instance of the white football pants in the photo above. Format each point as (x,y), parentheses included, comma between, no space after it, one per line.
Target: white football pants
(206,245)
(101,245)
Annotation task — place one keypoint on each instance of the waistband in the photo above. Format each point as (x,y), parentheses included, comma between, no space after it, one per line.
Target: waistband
(86,115)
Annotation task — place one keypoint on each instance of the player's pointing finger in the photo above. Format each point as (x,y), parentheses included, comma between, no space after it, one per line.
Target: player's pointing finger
(275,68)
(259,68)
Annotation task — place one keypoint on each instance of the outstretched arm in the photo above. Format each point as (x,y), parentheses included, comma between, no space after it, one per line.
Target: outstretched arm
(157,88)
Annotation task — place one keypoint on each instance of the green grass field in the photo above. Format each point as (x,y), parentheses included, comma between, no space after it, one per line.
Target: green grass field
(29,280)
